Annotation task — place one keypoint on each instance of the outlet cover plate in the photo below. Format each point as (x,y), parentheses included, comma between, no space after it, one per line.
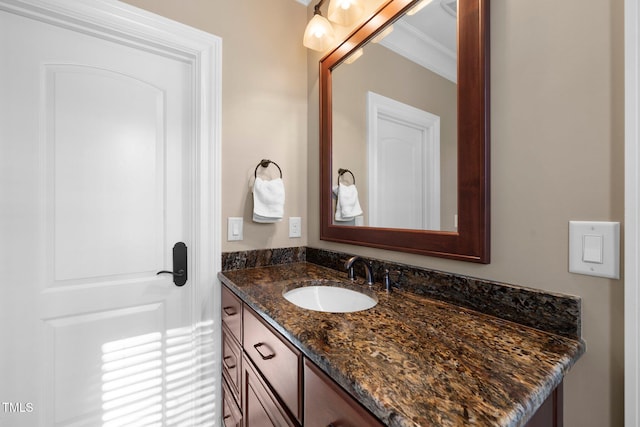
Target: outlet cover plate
(295,226)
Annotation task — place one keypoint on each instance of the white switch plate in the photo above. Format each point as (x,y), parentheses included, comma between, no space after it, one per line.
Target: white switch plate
(234,228)
(295,226)
(594,248)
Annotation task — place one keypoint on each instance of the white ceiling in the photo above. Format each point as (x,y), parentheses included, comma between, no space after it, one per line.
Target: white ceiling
(428,38)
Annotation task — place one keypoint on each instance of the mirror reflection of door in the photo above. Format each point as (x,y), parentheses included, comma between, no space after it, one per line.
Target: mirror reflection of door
(403,145)
(414,64)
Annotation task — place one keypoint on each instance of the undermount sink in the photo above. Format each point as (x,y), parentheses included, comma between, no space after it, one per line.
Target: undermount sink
(329,297)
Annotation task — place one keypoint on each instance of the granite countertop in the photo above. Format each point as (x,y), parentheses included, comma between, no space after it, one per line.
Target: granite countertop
(414,361)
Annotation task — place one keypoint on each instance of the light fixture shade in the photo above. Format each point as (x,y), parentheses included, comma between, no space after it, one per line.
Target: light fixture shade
(354,56)
(384,33)
(345,12)
(319,34)
(417,8)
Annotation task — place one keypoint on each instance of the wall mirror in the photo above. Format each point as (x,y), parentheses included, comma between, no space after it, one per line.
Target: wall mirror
(404,115)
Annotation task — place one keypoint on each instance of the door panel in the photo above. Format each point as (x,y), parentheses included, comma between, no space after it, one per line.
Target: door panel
(130,370)
(400,173)
(105,155)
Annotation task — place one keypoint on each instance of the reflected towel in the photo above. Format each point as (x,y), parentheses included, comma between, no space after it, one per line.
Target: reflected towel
(268,200)
(348,205)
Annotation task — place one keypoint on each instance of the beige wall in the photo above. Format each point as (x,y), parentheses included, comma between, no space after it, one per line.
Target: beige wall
(557,155)
(557,151)
(264,103)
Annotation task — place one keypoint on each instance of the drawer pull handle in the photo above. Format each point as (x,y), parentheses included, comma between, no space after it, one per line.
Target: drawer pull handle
(230,311)
(264,357)
(226,364)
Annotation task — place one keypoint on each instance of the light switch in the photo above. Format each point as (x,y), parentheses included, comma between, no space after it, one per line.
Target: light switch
(594,248)
(234,228)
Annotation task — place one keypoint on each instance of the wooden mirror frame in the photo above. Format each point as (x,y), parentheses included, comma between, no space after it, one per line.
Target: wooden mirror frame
(471,242)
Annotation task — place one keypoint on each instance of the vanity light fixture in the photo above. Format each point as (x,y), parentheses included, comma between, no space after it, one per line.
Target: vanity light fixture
(384,33)
(345,12)
(319,33)
(354,56)
(419,7)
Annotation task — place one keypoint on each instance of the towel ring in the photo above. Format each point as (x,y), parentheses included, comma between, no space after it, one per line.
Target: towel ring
(343,171)
(265,163)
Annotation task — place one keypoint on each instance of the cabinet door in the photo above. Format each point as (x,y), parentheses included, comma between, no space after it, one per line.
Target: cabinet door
(326,404)
(232,313)
(277,360)
(550,414)
(261,407)
(231,363)
(231,415)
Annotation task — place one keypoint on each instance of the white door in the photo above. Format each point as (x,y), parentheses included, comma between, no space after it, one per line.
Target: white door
(98,151)
(404,165)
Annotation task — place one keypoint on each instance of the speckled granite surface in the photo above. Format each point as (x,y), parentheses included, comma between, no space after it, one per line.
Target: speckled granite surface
(542,310)
(262,257)
(559,314)
(415,361)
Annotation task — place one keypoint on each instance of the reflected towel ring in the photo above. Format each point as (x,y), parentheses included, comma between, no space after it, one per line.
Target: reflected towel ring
(265,163)
(343,171)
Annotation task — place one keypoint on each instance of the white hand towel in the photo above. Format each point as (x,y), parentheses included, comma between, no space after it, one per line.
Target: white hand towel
(268,200)
(348,205)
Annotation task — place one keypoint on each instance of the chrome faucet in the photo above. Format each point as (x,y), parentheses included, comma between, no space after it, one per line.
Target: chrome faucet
(367,268)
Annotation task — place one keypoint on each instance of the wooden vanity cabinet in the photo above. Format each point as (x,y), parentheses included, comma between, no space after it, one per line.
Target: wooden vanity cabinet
(279,362)
(231,364)
(231,415)
(232,313)
(265,379)
(550,414)
(261,407)
(326,404)
(231,359)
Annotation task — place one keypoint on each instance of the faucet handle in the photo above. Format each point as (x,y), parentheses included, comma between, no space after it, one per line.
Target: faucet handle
(388,282)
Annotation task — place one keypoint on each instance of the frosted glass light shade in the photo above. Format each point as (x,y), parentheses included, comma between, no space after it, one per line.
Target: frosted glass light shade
(417,8)
(345,12)
(354,56)
(319,34)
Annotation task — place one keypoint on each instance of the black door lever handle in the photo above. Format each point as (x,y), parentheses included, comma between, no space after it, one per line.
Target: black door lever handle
(179,272)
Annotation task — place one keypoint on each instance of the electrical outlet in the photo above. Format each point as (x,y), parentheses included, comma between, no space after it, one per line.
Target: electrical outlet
(295,226)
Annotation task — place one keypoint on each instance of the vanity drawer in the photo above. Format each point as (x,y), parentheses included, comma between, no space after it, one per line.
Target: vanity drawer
(326,404)
(231,415)
(232,313)
(279,362)
(231,363)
